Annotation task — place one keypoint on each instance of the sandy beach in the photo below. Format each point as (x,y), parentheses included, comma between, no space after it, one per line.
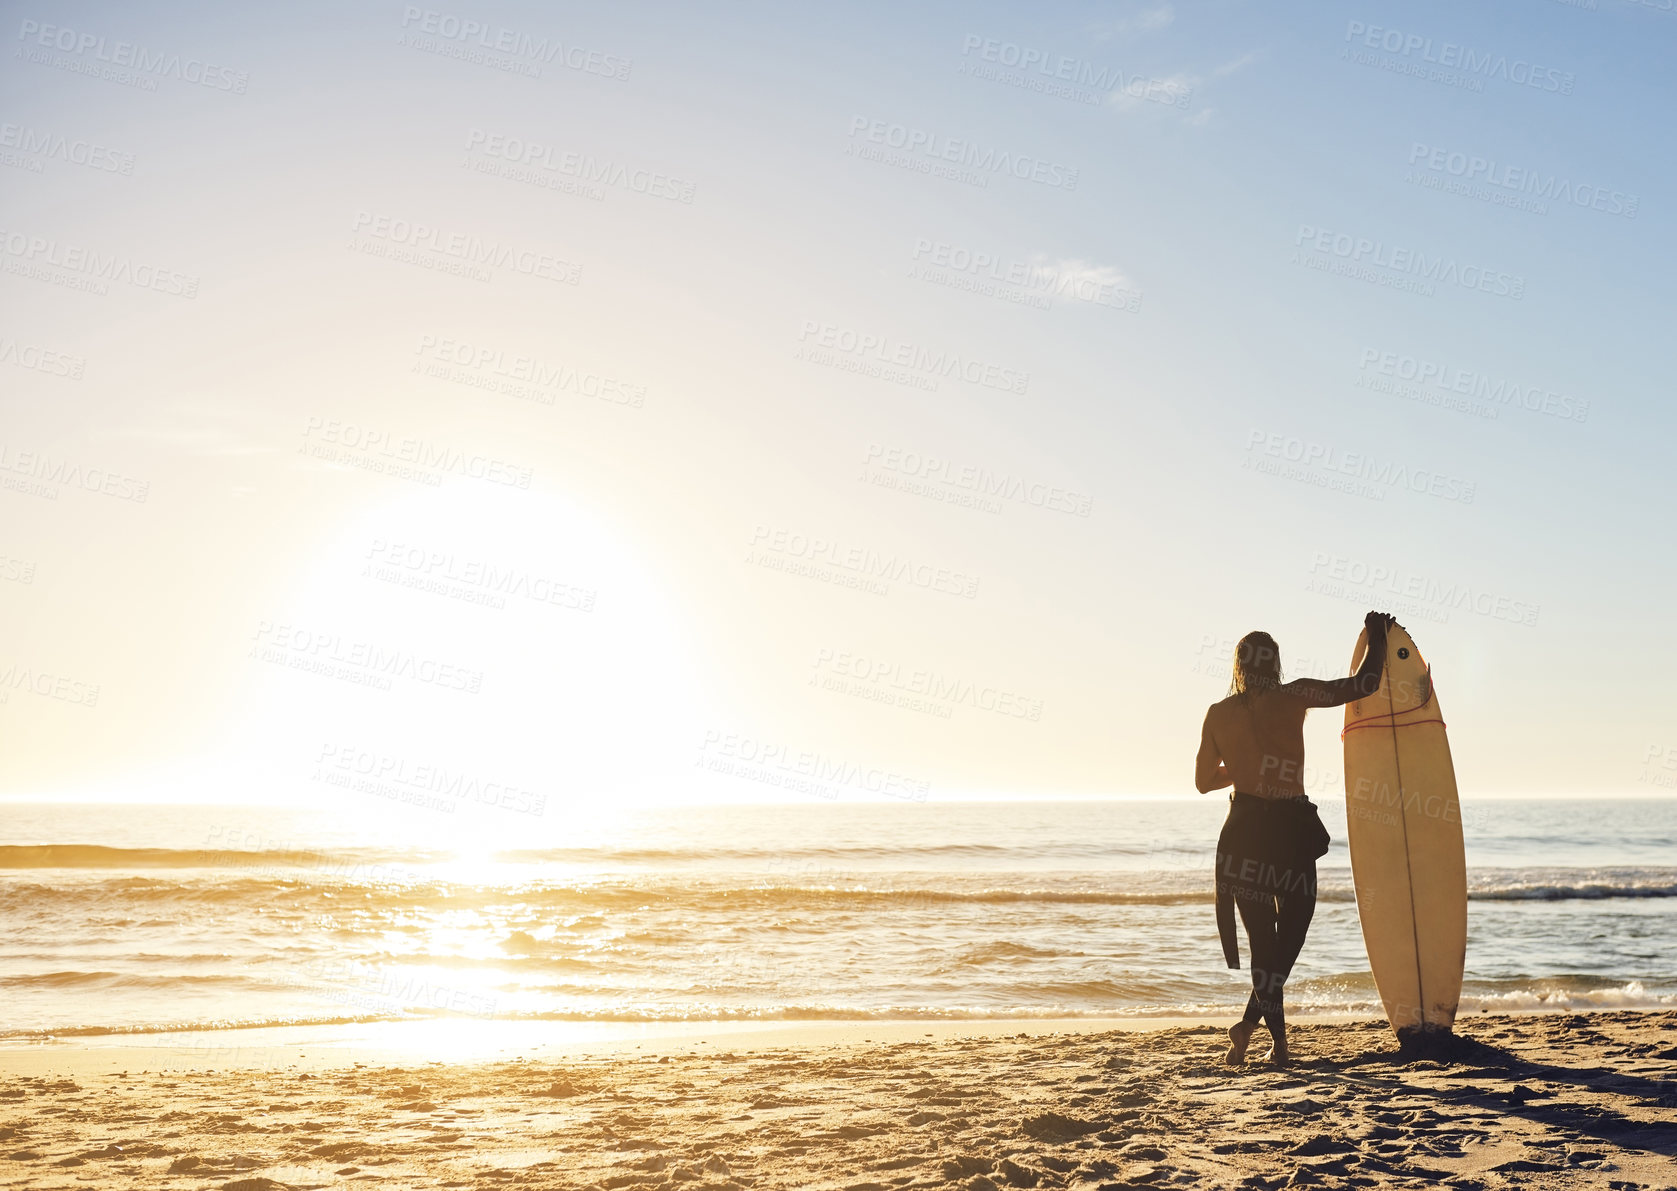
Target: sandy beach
(1536,1100)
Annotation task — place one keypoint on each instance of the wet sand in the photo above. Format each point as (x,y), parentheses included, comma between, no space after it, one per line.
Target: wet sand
(1525,1101)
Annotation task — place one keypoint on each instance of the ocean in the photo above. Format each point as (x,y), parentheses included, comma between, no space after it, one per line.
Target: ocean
(136,919)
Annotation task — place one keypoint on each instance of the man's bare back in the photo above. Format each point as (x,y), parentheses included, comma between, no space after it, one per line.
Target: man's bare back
(1254,740)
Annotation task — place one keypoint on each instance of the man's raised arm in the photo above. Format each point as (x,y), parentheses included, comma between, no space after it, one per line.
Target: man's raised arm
(1335,692)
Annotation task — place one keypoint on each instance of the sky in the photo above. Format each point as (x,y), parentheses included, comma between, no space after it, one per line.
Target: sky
(608,405)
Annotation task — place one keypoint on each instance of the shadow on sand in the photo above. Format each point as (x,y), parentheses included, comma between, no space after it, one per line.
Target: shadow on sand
(1381,1073)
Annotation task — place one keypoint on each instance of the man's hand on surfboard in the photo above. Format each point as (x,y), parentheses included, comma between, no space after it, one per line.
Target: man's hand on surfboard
(1379,622)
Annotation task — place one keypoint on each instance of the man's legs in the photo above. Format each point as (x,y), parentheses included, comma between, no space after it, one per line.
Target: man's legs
(1294,910)
(1258,911)
(1260,914)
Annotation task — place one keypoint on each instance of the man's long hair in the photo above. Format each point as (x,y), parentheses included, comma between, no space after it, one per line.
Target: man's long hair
(1257,665)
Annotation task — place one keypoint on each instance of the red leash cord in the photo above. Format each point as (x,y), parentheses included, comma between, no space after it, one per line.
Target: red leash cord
(1390,717)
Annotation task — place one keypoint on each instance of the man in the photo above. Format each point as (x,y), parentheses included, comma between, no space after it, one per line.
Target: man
(1266,854)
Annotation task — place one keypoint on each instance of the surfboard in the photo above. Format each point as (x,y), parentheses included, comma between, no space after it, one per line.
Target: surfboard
(1404,821)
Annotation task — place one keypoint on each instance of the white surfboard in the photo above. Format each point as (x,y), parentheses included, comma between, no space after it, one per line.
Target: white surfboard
(1407,860)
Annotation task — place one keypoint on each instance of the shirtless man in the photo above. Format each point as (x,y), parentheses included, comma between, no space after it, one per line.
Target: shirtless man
(1254,741)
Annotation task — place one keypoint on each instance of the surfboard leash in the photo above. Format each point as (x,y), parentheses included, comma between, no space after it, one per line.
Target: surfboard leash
(1375,721)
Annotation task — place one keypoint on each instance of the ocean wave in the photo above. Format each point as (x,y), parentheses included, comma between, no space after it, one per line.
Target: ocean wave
(1630,996)
(389,880)
(782,857)
(999,896)
(1586,891)
(1004,951)
(80,979)
(122,957)
(96,856)
(604,897)
(217,1026)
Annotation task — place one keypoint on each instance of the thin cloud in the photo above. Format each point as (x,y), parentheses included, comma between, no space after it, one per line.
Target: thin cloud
(1240,63)
(1145,21)
(1077,271)
(1177,90)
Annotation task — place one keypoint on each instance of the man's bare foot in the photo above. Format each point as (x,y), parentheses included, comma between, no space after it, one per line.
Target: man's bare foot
(1278,1053)
(1240,1034)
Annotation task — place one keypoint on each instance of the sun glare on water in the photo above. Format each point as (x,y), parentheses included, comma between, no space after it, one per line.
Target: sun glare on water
(479,863)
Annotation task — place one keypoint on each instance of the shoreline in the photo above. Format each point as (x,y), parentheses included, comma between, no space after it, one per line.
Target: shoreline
(467,1041)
